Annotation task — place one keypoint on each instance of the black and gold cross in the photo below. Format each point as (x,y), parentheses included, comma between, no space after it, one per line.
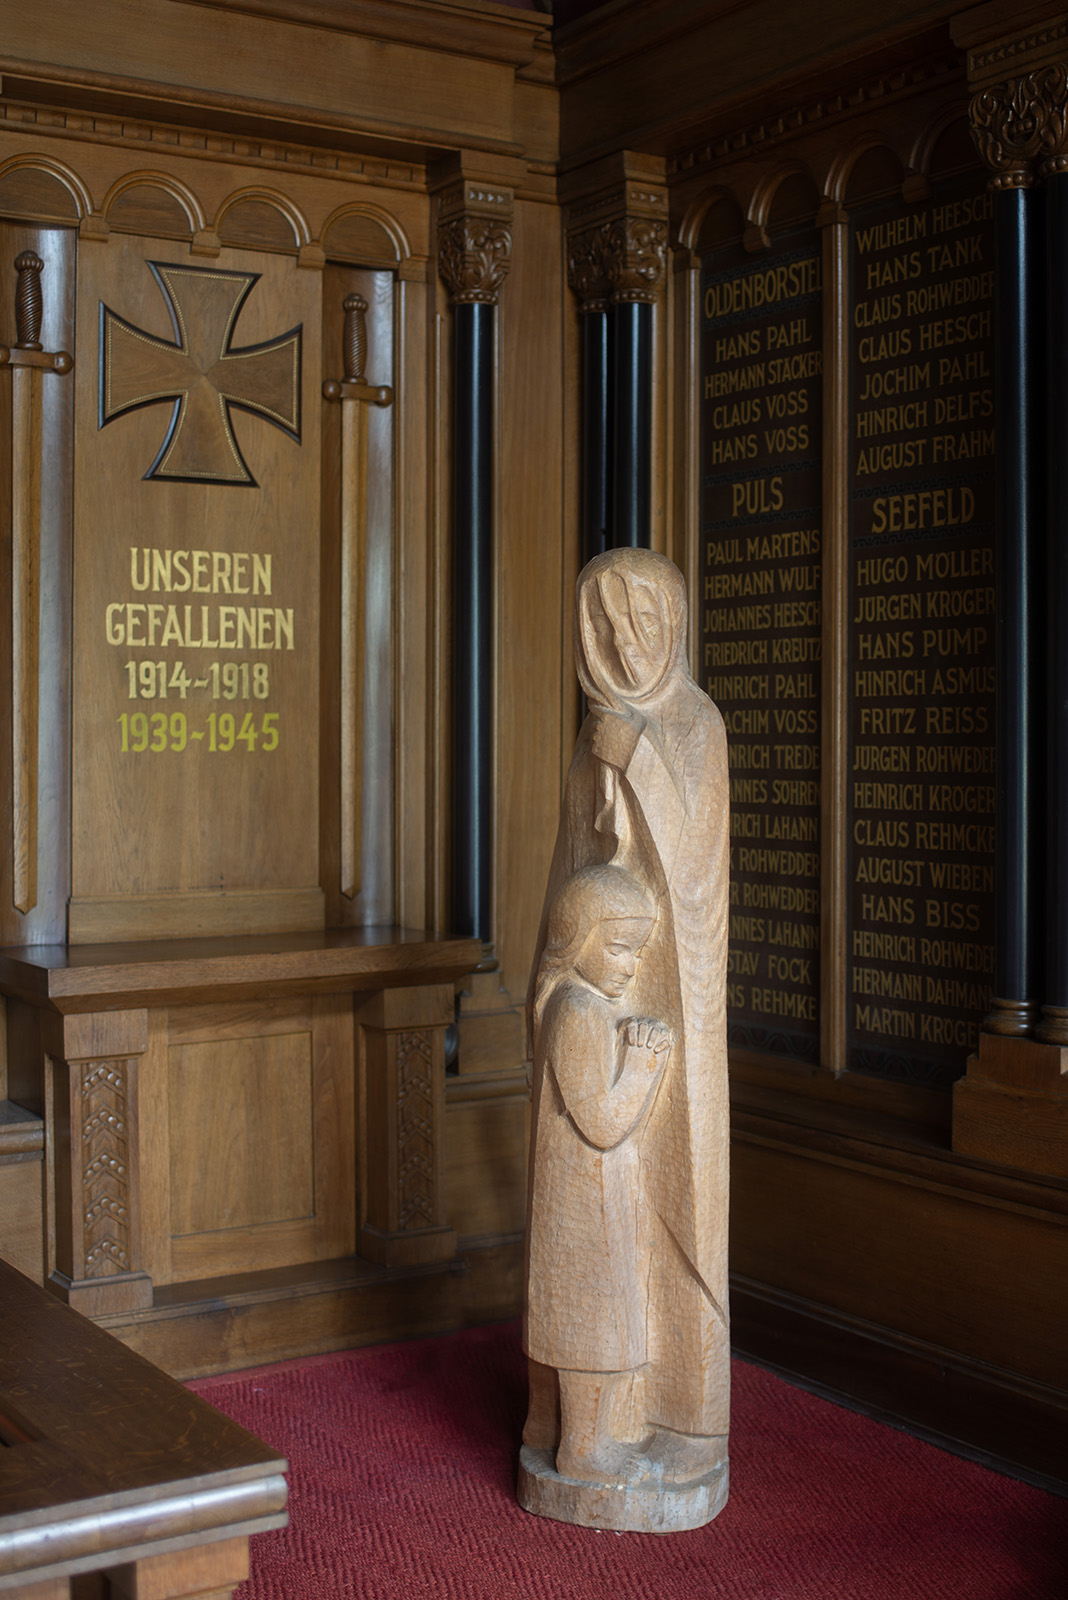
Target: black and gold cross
(202,374)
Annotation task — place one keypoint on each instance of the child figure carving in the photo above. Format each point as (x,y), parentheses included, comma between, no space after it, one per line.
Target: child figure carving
(626,1313)
(598,1069)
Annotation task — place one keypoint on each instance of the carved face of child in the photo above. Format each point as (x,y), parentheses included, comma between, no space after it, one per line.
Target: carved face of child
(609,958)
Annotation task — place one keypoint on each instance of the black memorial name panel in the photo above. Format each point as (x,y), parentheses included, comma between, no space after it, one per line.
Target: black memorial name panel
(921,633)
(761,386)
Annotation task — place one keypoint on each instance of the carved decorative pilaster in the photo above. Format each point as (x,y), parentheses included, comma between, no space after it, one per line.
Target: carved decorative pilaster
(105,1168)
(93,1069)
(403,1220)
(415,1130)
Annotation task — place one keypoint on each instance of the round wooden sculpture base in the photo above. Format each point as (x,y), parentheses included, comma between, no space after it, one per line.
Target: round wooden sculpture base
(642,1508)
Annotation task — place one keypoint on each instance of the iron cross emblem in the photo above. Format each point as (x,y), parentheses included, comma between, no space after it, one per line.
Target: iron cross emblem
(203,375)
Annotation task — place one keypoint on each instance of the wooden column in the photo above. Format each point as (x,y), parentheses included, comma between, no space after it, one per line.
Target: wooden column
(93,1167)
(474,254)
(1011,1106)
(617,245)
(403,1061)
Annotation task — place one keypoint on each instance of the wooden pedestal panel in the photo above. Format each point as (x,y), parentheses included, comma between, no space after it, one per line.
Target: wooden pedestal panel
(928,1286)
(486,1156)
(248,1137)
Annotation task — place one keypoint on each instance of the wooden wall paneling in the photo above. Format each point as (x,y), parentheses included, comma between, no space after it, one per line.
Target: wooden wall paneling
(686,460)
(358,615)
(662,534)
(439,490)
(22,1175)
(373,93)
(261,1135)
(486,1148)
(417,769)
(533,589)
(154,1105)
(912,1239)
(43,916)
(834,677)
(184,759)
(571,546)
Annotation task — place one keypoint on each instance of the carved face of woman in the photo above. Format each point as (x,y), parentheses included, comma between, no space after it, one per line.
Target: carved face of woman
(609,958)
(630,624)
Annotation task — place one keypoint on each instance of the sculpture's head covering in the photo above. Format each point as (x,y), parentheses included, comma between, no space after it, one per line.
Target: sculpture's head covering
(585,901)
(630,627)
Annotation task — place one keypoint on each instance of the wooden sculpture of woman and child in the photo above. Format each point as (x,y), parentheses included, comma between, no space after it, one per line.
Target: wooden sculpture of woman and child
(625,1323)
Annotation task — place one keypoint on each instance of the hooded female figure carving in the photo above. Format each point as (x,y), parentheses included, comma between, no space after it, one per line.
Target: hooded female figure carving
(626,1311)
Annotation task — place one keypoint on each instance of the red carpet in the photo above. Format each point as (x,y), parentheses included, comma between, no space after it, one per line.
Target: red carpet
(402,1470)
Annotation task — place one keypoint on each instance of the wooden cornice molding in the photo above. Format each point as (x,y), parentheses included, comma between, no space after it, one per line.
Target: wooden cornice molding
(848,101)
(1010,38)
(491,33)
(617,213)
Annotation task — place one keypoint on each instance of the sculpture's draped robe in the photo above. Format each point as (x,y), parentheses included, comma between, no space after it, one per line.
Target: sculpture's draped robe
(648,790)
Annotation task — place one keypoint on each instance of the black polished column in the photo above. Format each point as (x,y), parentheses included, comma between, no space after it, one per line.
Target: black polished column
(474,256)
(616,270)
(631,378)
(1053,1028)
(1019,389)
(472,619)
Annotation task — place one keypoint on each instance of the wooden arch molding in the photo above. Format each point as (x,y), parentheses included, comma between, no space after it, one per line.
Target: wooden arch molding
(382,219)
(58,170)
(763,198)
(177,190)
(927,140)
(693,220)
(841,169)
(270,197)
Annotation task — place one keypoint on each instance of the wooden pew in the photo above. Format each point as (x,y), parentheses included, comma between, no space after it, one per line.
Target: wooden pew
(107,1465)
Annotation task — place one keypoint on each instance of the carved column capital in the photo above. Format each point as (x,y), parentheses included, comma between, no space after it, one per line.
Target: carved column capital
(617,263)
(617,214)
(1020,127)
(474,254)
(474,237)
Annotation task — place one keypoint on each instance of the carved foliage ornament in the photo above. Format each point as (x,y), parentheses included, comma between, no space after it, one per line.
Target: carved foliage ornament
(415,1130)
(106,1169)
(1021,124)
(618,262)
(474,254)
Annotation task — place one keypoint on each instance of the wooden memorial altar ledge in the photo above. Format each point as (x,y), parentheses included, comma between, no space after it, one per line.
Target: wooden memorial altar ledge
(111,977)
(243,1135)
